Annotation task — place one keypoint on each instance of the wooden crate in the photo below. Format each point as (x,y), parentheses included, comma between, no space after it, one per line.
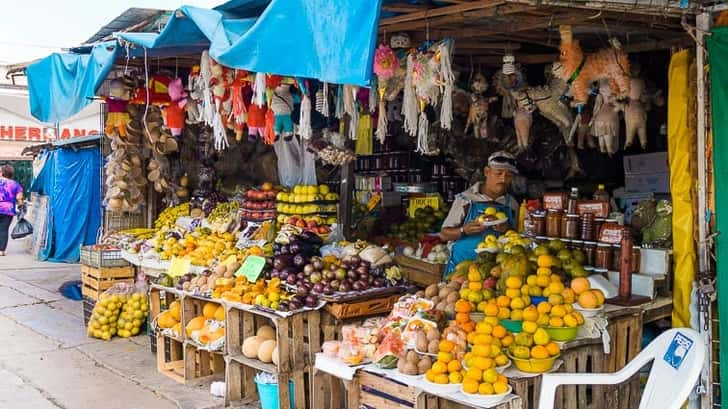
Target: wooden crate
(192,307)
(159,300)
(585,359)
(186,364)
(298,337)
(170,358)
(418,271)
(88,308)
(102,258)
(376,391)
(376,306)
(241,389)
(97,280)
(626,344)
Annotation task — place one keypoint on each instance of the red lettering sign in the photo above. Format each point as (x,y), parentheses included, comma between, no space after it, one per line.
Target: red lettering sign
(6,133)
(34,134)
(20,133)
(38,134)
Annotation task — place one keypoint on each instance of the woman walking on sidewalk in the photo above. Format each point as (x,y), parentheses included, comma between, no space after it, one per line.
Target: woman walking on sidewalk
(11,194)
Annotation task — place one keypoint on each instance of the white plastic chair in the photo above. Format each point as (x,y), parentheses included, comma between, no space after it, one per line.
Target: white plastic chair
(677,358)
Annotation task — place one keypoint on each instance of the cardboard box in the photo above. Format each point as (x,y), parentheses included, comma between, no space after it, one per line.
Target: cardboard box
(646,163)
(647,182)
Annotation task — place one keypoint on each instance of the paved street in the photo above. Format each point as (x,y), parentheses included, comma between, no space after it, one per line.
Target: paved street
(46,360)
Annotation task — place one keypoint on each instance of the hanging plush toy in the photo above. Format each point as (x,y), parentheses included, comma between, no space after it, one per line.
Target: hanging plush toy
(506,80)
(174,113)
(579,71)
(239,89)
(635,113)
(479,106)
(282,105)
(605,123)
(385,66)
(116,104)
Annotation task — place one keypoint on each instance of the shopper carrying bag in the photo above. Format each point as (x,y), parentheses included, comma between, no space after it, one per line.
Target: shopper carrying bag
(11,196)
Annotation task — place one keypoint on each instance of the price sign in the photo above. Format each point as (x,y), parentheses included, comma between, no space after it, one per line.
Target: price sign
(416,203)
(251,268)
(179,267)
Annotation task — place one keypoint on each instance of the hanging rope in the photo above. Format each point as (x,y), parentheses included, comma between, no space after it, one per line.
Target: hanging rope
(410,108)
(448,77)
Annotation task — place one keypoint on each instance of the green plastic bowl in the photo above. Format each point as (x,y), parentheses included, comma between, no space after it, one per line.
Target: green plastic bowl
(514,327)
(562,334)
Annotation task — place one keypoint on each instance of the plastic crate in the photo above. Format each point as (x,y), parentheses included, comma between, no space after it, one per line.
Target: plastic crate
(102,257)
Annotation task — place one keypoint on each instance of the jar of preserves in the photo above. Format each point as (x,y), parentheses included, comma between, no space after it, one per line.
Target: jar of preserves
(590,249)
(553,223)
(577,245)
(535,224)
(571,228)
(603,256)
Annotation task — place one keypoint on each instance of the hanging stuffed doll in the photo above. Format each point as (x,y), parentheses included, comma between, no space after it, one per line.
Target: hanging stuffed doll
(605,123)
(507,80)
(116,104)
(479,105)
(580,71)
(282,105)
(635,113)
(240,91)
(174,113)
(385,66)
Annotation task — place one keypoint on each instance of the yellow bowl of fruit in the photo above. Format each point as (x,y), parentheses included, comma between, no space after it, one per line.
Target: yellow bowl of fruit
(486,400)
(562,334)
(534,365)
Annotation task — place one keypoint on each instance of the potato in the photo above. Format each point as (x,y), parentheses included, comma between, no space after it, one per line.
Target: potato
(452,297)
(412,357)
(431,291)
(400,365)
(420,294)
(449,310)
(421,341)
(410,369)
(433,335)
(441,306)
(444,291)
(435,300)
(424,364)
(433,346)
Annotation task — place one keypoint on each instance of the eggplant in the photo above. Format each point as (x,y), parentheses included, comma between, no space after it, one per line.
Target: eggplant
(275,274)
(311,238)
(299,260)
(363,271)
(283,306)
(352,274)
(328,290)
(345,287)
(276,247)
(291,279)
(357,286)
(284,249)
(282,261)
(317,288)
(290,271)
(295,247)
(379,282)
(363,284)
(300,276)
(310,301)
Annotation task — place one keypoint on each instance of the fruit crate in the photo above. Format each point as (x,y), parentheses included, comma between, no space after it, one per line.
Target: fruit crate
(375,306)
(159,300)
(192,306)
(420,265)
(93,256)
(88,309)
(184,363)
(241,388)
(97,280)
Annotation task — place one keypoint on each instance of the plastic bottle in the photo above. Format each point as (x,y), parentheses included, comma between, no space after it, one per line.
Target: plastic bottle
(571,203)
(601,193)
(522,216)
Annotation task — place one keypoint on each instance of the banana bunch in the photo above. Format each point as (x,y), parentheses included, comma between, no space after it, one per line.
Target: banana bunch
(138,232)
(223,212)
(169,216)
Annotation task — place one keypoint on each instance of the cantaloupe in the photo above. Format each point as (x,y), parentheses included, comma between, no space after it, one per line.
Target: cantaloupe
(265,351)
(174,309)
(208,311)
(275,356)
(220,313)
(266,332)
(251,346)
(195,324)
(165,320)
(215,335)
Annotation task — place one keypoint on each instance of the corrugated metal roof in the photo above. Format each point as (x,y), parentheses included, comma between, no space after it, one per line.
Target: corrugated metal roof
(133,19)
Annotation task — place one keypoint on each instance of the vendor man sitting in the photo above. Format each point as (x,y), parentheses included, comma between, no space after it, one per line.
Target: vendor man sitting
(462,224)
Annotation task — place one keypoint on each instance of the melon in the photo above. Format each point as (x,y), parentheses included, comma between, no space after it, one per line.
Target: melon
(220,313)
(266,332)
(165,320)
(208,311)
(195,324)
(265,351)
(251,346)
(177,329)
(275,356)
(174,309)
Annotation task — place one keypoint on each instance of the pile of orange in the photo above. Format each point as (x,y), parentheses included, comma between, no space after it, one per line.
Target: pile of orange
(446,368)
(586,296)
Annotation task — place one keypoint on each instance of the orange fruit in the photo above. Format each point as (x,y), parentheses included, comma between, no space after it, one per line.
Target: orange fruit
(481,350)
(580,285)
(493,321)
(474,374)
(539,352)
(512,293)
(543,281)
(579,317)
(517,304)
(558,311)
(530,314)
(454,366)
(446,346)
(499,331)
(501,360)
(490,376)
(531,280)
(442,379)
(475,286)
(483,328)
(514,282)
(470,338)
(553,348)
(455,377)
(529,327)
(507,340)
(485,389)
(587,299)
(569,296)
(504,313)
(463,306)
(503,301)
(500,387)
(482,306)
(462,317)
(556,322)
(491,310)
(470,385)
(483,339)
(600,297)
(430,375)
(543,271)
(545,261)
(444,357)
(556,287)
(556,299)
(468,326)
(543,307)
(439,367)
(502,378)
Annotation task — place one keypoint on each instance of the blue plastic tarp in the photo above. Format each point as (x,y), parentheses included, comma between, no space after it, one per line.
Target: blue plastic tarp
(62,84)
(72,181)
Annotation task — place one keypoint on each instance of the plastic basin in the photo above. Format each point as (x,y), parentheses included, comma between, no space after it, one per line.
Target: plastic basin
(564,334)
(533,365)
(514,327)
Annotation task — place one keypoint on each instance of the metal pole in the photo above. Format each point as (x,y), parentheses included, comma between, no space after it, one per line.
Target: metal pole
(703,25)
(346,192)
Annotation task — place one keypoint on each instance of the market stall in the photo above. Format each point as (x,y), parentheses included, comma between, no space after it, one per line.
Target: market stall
(495,204)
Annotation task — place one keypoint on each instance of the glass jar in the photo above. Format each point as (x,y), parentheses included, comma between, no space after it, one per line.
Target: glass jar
(553,223)
(577,245)
(539,223)
(590,249)
(603,256)
(571,228)
(588,231)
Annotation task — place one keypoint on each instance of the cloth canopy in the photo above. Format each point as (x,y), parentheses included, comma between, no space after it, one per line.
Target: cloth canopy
(72,181)
(62,84)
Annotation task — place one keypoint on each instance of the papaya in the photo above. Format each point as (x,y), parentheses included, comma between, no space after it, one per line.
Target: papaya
(220,313)
(195,324)
(174,309)
(208,310)
(165,320)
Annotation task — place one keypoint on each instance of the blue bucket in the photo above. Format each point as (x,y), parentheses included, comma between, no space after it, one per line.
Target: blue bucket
(268,394)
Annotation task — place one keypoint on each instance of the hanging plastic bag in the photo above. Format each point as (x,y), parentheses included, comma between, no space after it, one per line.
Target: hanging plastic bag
(22,227)
(308,165)
(289,162)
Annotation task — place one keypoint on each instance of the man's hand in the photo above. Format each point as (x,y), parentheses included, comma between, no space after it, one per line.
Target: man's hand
(474,227)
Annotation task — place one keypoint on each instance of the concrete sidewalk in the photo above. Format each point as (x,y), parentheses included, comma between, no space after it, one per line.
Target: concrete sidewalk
(47,361)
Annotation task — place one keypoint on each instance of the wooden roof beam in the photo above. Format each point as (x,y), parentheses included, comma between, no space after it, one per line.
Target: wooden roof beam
(633,8)
(459,18)
(441,11)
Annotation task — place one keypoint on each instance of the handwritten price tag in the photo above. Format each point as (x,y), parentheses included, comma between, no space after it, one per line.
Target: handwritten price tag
(251,268)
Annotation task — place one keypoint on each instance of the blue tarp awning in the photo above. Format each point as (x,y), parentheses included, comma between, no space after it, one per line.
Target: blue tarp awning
(62,84)
(71,180)
(332,41)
